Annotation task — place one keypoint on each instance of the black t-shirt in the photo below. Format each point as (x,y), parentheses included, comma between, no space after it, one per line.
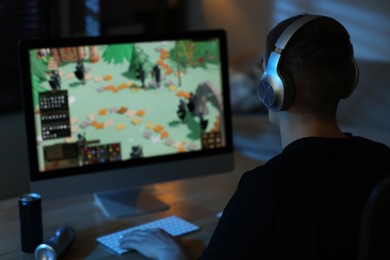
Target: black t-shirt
(305,203)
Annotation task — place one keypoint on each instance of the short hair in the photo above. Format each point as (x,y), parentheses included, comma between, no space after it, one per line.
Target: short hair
(317,61)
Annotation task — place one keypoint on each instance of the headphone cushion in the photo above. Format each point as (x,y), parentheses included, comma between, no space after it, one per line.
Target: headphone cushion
(266,93)
(275,90)
(353,80)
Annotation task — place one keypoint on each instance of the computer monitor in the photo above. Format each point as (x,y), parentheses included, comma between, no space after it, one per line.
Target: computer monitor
(108,115)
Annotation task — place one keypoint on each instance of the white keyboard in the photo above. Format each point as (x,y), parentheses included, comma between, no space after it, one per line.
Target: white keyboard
(173,225)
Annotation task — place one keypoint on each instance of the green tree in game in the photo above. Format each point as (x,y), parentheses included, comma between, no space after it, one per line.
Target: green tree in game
(38,66)
(117,53)
(139,60)
(193,54)
(39,74)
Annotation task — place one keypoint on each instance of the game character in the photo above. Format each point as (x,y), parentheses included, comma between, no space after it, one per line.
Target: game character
(136,152)
(203,122)
(80,71)
(42,53)
(81,139)
(81,144)
(156,72)
(181,112)
(55,80)
(191,103)
(141,74)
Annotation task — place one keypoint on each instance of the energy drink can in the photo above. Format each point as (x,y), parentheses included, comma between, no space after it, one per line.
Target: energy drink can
(52,249)
(30,214)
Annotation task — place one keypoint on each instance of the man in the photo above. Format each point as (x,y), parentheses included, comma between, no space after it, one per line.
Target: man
(306,202)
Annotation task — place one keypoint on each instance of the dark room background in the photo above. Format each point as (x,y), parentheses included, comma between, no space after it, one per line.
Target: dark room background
(246,22)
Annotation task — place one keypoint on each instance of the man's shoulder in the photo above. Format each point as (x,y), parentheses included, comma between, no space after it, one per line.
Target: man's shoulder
(277,168)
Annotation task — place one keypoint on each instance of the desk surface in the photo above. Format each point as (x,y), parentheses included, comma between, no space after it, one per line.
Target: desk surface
(196,199)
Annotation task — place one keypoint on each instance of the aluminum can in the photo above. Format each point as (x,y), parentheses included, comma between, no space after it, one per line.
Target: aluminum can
(30,214)
(56,245)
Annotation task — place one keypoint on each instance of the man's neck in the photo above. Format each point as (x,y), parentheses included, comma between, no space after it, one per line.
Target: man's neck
(294,127)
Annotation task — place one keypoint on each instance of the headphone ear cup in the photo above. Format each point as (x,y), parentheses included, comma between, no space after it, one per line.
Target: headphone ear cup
(353,79)
(266,91)
(274,88)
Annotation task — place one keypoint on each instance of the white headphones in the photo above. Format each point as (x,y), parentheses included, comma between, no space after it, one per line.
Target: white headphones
(275,92)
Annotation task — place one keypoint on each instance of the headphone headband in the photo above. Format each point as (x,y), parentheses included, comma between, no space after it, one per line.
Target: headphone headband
(292,28)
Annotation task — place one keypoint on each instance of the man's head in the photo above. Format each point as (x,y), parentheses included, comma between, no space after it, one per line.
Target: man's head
(316,64)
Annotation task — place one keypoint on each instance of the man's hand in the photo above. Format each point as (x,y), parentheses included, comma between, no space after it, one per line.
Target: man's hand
(154,244)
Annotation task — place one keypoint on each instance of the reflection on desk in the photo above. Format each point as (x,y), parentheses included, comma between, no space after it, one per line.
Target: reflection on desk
(197,200)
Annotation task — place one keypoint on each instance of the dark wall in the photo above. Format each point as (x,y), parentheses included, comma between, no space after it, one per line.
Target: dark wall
(53,19)
(19,20)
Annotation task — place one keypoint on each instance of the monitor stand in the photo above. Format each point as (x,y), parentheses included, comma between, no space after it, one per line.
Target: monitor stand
(129,202)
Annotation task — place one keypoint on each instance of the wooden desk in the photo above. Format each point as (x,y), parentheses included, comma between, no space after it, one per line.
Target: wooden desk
(197,200)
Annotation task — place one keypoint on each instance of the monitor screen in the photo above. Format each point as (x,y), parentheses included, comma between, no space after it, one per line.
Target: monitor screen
(119,112)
